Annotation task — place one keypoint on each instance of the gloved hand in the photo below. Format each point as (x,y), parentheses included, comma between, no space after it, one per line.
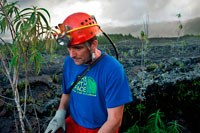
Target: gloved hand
(57,122)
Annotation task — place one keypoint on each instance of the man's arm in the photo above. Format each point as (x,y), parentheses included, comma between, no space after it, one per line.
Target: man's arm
(114,120)
(64,102)
(58,120)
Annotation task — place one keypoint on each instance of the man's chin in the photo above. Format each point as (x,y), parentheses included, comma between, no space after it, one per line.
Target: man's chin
(78,62)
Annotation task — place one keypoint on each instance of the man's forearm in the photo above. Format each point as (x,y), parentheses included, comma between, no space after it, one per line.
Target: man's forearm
(114,120)
(64,102)
(110,126)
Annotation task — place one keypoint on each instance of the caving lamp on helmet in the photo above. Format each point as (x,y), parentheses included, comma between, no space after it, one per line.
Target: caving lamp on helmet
(79,28)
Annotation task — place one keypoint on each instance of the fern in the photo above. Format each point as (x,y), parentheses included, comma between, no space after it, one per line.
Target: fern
(174,127)
(134,129)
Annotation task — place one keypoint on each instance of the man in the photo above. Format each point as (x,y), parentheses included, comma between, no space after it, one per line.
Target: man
(96,102)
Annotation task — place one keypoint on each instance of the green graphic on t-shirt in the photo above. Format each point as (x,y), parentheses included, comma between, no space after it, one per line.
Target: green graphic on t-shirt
(86,86)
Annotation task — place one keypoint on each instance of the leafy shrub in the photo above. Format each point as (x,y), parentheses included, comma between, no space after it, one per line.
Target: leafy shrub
(155,124)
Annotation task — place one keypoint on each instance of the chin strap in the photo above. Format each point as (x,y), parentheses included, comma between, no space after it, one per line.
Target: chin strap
(92,54)
(79,77)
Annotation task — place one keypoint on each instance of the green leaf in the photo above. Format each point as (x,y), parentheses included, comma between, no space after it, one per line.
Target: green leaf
(26,9)
(180,26)
(13,62)
(142,34)
(18,25)
(45,11)
(44,19)
(36,64)
(33,20)
(174,127)
(178,15)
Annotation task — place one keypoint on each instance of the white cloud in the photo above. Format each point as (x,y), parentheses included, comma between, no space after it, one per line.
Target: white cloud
(119,12)
(64,9)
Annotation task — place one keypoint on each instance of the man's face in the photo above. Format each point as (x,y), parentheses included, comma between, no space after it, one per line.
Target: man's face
(79,53)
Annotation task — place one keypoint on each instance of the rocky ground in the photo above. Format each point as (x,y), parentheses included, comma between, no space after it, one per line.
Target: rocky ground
(164,63)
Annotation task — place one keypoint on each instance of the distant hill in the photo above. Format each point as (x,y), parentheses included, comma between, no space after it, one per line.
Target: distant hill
(162,29)
(192,26)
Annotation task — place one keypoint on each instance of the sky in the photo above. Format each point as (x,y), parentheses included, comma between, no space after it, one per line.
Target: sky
(118,12)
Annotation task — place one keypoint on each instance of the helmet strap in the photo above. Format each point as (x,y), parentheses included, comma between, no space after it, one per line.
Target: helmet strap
(93,56)
(91,53)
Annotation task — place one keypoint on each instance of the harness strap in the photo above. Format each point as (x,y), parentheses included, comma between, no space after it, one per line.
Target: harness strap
(79,77)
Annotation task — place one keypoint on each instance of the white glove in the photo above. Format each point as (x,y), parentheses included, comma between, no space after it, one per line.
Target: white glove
(57,122)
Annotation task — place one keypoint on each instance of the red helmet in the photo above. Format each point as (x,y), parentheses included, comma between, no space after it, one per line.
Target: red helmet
(82,27)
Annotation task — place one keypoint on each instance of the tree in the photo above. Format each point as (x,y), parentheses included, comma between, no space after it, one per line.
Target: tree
(31,34)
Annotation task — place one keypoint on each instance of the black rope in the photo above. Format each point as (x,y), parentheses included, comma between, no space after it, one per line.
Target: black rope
(116,53)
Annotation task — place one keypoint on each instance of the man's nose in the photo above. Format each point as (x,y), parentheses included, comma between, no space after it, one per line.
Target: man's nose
(72,53)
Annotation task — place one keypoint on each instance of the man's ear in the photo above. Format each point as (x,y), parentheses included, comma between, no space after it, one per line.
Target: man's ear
(94,45)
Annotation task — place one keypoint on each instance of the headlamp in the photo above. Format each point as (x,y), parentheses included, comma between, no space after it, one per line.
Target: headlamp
(62,36)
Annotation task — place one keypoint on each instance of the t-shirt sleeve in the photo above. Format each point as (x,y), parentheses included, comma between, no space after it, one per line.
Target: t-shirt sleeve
(65,87)
(117,90)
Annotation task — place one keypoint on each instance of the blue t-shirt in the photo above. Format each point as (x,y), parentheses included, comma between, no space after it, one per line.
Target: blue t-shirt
(104,86)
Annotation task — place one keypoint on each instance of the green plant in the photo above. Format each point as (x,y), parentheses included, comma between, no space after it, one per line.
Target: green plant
(160,65)
(8,106)
(8,91)
(185,92)
(131,52)
(125,54)
(183,45)
(181,65)
(174,127)
(48,95)
(134,129)
(180,26)
(21,99)
(115,38)
(121,60)
(28,27)
(55,78)
(141,109)
(29,99)
(196,83)
(146,61)
(21,85)
(152,67)
(127,110)
(155,124)
(181,89)
(52,112)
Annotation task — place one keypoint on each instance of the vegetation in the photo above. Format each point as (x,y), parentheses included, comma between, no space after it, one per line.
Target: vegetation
(115,38)
(31,36)
(174,102)
(28,27)
(155,124)
(165,111)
